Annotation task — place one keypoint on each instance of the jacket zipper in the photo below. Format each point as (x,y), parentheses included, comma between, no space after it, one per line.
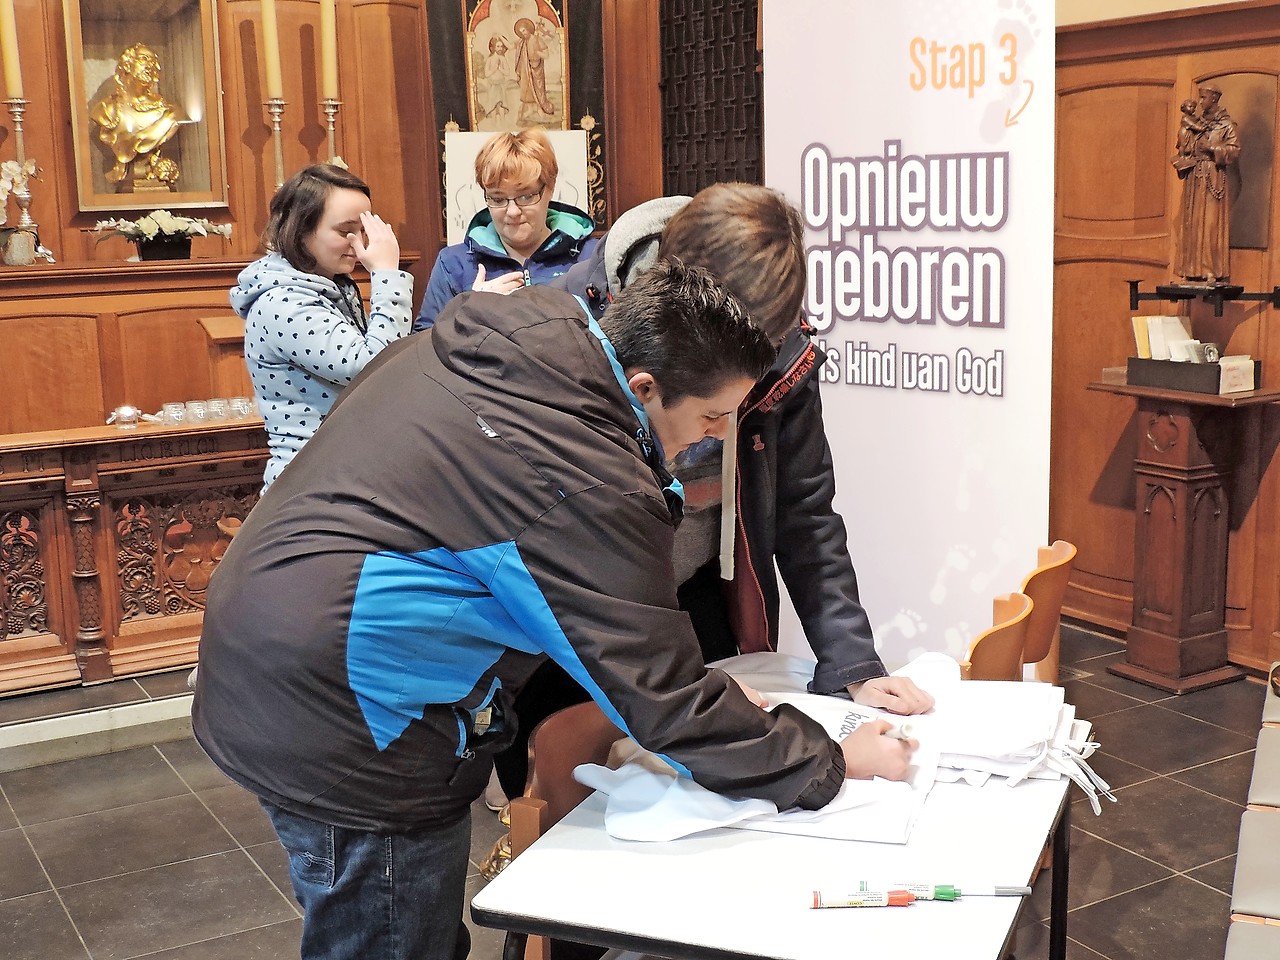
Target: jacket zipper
(742,528)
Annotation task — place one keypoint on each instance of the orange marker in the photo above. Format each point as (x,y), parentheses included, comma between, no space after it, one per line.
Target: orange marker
(863,898)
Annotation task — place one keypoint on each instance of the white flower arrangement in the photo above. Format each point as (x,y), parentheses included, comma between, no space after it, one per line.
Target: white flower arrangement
(163,225)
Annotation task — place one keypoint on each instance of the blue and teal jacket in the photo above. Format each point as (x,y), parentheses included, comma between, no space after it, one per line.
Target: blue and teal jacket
(482,497)
(456,266)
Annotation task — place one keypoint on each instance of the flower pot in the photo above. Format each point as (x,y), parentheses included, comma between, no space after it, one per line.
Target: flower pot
(20,251)
(174,248)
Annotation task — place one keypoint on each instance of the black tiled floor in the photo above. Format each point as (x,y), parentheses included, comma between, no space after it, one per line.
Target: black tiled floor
(152,852)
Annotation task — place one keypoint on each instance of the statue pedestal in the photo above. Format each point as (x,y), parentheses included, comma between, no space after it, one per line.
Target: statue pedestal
(1177,638)
(151,186)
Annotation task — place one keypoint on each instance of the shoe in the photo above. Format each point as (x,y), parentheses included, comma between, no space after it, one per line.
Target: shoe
(494,797)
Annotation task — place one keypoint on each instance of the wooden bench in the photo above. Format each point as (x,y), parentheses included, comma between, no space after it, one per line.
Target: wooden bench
(1255,893)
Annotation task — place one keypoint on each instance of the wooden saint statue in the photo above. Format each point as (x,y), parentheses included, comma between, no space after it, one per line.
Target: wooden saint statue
(1207,145)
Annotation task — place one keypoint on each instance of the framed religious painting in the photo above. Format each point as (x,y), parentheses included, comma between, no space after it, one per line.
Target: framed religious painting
(504,65)
(146,108)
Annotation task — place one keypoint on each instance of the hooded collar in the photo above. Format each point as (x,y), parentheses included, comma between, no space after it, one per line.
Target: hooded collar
(650,446)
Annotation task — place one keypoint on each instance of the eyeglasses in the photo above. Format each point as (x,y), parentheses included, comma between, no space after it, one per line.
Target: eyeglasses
(524,200)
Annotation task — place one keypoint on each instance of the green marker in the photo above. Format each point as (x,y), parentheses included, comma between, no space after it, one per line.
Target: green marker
(945,891)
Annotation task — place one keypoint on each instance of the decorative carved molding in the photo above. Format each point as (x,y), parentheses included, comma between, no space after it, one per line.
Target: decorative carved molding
(170,544)
(1162,432)
(24,609)
(84,511)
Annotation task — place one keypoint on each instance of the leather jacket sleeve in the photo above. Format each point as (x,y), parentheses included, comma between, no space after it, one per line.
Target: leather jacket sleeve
(812,548)
(605,610)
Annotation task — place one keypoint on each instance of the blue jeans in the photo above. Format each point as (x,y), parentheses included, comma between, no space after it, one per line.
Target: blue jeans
(377,896)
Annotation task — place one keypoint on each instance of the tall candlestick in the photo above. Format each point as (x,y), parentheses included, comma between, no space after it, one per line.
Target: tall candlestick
(328,50)
(271,50)
(9,50)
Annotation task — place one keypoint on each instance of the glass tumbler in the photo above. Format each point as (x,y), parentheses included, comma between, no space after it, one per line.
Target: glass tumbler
(173,413)
(197,412)
(242,407)
(219,408)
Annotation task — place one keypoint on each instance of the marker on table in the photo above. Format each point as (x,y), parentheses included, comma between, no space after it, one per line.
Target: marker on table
(863,898)
(945,891)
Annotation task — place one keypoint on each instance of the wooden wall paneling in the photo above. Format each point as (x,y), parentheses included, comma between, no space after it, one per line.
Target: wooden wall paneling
(1119,87)
(632,58)
(1110,226)
(50,371)
(164,354)
(388,132)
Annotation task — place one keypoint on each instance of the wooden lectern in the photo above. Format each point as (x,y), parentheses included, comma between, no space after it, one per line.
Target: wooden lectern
(1177,639)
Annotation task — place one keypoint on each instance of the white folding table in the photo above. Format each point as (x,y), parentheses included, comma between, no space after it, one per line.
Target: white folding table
(731,894)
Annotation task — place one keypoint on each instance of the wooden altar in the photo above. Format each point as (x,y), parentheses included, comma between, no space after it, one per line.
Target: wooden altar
(108,538)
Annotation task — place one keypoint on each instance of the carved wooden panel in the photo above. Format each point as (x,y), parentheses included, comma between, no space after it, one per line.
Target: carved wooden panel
(24,605)
(712,94)
(108,540)
(169,544)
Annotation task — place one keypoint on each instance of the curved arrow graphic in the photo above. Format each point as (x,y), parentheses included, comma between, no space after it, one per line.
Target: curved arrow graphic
(1010,119)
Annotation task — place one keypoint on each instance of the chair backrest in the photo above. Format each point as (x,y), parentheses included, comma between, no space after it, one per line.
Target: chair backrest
(1046,585)
(577,734)
(996,653)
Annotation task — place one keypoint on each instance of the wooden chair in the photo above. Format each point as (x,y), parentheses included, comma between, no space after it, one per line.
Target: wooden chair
(1046,585)
(577,734)
(996,653)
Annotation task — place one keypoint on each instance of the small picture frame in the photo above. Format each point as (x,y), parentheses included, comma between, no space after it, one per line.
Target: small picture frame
(146,106)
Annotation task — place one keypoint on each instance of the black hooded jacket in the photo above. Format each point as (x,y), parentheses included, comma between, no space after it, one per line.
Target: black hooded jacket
(478,498)
(785,482)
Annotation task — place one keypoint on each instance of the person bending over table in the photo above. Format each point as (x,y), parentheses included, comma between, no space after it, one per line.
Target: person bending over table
(307,333)
(521,236)
(751,238)
(479,500)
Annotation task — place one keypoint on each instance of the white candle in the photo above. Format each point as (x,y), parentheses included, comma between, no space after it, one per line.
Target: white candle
(271,50)
(328,49)
(9,50)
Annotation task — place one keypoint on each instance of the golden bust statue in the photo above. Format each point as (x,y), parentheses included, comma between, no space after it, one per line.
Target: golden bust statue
(134,120)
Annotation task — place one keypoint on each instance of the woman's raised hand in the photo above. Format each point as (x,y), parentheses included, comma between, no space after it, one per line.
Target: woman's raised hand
(378,249)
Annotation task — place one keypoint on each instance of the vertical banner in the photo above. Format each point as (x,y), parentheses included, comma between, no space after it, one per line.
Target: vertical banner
(916,137)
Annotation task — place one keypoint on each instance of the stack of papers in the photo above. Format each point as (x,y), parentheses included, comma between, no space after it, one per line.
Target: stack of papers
(977,730)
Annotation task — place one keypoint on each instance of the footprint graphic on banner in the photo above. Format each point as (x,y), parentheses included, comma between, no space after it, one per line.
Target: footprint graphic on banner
(956,640)
(968,468)
(958,560)
(904,625)
(984,577)
(1012,40)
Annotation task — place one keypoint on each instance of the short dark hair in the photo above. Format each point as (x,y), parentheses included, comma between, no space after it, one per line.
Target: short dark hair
(751,238)
(683,326)
(297,207)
